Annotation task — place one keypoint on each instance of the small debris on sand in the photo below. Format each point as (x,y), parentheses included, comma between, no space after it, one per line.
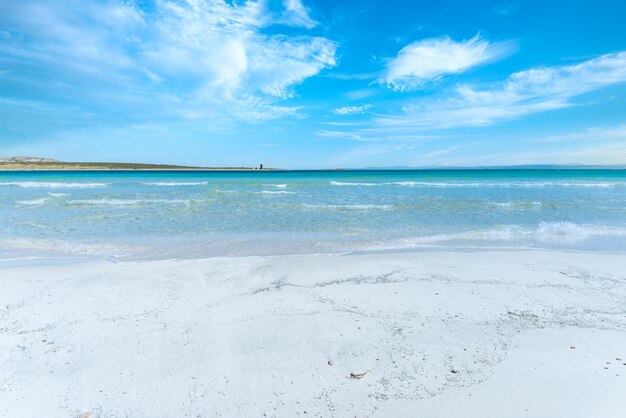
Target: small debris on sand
(331,363)
(357,375)
(573,347)
(454,371)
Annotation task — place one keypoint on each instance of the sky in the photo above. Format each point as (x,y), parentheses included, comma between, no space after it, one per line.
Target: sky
(314,83)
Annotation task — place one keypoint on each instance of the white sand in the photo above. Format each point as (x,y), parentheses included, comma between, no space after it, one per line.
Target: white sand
(487,334)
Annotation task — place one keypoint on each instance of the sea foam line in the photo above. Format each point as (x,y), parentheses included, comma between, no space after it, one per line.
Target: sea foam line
(174,184)
(34,202)
(481,184)
(54,185)
(280,186)
(544,232)
(125,202)
(347,207)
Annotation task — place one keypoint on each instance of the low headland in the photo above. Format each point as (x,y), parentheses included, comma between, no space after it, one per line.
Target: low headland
(44,164)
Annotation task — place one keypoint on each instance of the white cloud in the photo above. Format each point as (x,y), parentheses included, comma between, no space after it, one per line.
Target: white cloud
(192,58)
(429,60)
(352,110)
(218,47)
(523,93)
(531,91)
(296,14)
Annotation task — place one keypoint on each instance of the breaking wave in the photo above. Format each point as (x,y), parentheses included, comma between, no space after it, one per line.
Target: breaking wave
(54,185)
(481,184)
(175,184)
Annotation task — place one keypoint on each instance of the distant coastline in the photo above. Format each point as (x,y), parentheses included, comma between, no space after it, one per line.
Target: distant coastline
(36,164)
(46,164)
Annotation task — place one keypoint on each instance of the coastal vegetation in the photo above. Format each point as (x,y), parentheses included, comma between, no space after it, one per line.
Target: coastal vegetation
(35,163)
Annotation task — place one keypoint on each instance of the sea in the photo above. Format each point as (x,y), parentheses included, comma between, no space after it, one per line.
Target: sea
(134,215)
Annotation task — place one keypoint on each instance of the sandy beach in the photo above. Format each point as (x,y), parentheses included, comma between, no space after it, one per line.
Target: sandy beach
(455,334)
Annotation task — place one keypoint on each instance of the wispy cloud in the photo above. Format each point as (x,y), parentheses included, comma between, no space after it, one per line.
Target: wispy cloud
(590,134)
(526,92)
(612,153)
(531,91)
(295,14)
(189,59)
(352,110)
(429,60)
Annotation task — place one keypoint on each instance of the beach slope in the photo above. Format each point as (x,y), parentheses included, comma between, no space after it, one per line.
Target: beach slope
(484,334)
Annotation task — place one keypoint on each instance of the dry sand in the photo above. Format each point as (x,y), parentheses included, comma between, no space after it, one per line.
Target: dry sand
(429,334)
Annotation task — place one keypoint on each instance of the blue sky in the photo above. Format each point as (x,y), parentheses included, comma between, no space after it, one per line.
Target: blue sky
(314,84)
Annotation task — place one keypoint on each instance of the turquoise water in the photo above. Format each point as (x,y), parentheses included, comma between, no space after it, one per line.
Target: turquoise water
(153,215)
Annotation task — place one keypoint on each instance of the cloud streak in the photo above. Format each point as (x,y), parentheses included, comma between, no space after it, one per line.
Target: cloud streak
(465,106)
(522,93)
(430,60)
(352,110)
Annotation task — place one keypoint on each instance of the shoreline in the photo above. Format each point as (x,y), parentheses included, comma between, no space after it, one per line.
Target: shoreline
(438,332)
(16,256)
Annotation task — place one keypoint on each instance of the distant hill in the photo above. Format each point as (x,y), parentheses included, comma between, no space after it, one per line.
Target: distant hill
(23,159)
(37,163)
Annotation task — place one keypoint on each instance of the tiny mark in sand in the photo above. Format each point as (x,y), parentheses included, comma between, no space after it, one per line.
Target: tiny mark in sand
(357,375)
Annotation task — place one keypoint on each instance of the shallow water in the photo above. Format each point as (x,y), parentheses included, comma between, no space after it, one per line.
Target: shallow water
(157,215)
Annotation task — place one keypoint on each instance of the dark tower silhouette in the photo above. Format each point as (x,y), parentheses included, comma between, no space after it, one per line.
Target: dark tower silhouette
(260,166)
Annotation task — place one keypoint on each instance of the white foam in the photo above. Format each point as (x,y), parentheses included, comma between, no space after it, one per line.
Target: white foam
(54,185)
(280,186)
(34,202)
(347,207)
(175,184)
(126,202)
(545,232)
(502,204)
(275,192)
(484,184)
(519,204)
(57,194)
(571,232)
(341,183)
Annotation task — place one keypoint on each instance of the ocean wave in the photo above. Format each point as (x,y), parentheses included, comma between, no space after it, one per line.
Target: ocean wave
(126,202)
(512,205)
(174,184)
(275,192)
(483,184)
(34,202)
(346,207)
(280,186)
(54,247)
(342,183)
(53,185)
(544,232)
(559,231)
(553,232)
(57,194)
